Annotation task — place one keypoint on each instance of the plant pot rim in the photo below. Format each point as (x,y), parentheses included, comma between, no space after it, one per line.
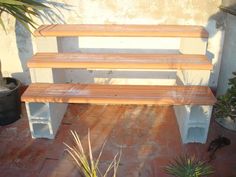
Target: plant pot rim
(10,105)
(227,123)
(18,84)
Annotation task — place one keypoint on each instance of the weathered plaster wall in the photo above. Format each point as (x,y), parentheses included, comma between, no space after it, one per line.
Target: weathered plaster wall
(18,45)
(228,64)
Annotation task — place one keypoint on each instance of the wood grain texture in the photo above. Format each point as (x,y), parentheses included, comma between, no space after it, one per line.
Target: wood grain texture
(122,30)
(119,94)
(119,61)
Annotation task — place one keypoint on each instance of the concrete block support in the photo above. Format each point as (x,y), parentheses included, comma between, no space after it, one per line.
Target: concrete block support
(47,44)
(45,118)
(193,122)
(193,45)
(47,75)
(193,77)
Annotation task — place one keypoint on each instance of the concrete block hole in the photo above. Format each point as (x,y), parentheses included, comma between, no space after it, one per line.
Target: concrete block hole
(39,111)
(196,134)
(41,130)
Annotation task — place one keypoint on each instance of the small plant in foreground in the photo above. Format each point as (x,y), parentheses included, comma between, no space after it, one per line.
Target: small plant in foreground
(86,163)
(185,166)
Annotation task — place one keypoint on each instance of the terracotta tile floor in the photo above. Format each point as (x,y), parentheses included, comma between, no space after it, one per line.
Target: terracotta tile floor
(148,136)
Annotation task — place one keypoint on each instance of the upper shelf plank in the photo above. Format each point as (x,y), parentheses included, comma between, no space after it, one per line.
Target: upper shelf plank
(119,61)
(63,30)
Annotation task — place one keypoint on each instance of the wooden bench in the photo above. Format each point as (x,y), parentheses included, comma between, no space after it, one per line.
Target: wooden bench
(46,102)
(119,94)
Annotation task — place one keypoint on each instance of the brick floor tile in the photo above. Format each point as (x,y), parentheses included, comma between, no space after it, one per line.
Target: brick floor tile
(17,172)
(59,168)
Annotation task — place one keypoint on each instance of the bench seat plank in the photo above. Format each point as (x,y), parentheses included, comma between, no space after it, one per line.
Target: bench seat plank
(119,61)
(121,30)
(119,94)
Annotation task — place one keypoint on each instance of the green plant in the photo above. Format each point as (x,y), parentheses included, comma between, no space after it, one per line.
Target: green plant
(226,104)
(86,163)
(184,166)
(21,10)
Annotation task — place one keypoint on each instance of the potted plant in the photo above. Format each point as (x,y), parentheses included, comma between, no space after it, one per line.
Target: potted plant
(225,107)
(23,11)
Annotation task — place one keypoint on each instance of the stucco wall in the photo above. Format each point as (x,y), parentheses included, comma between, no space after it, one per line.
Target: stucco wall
(18,45)
(228,64)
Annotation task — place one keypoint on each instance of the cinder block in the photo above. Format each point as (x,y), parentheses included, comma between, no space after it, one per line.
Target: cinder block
(45,118)
(182,115)
(193,45)
(57,111)
(47,44)
(193,77)
(193,122)
(47,75)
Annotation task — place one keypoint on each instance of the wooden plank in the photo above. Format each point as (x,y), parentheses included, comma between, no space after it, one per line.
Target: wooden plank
(119,61)
(122,30)
(119,94)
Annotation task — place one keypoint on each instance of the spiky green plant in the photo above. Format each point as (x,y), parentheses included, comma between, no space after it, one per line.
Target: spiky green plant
(86,163)
(21,10)
(184,166)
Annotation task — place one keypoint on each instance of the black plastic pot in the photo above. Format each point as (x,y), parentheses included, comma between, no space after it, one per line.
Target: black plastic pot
(10,105)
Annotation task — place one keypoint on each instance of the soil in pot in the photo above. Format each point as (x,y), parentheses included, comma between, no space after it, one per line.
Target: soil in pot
(10,105)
